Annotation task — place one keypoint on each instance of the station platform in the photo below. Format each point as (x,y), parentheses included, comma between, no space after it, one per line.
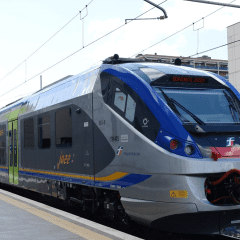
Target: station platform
(22,218)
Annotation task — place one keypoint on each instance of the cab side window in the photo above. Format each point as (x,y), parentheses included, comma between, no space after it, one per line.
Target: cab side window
(130,110)
(120,99)
(129,105)
(125,103)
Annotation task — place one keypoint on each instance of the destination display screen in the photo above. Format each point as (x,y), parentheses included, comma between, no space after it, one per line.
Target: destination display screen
(189,79)
(186,81)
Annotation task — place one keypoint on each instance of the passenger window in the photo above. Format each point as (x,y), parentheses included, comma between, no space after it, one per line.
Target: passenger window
(44,134)
(120,99)
(2,144)
(64,128)
(29,133)
(130,110)
(2,153)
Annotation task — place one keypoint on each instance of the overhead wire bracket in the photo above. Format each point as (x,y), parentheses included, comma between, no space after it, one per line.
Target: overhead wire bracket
(155,5)
(200,27)
(198,33)
(82,19)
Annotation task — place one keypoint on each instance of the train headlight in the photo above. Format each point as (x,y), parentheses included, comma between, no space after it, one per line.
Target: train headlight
(188,150)
(173,144)
(177,146)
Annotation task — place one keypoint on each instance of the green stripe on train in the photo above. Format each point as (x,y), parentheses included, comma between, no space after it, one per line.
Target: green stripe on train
(14,115)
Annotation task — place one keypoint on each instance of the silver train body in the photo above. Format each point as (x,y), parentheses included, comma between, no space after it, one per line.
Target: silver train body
(130,140)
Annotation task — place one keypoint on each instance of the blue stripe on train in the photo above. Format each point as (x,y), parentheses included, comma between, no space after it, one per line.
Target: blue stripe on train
(4,169)
(126,181)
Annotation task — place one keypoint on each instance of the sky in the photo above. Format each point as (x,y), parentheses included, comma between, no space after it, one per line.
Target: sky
(26,24)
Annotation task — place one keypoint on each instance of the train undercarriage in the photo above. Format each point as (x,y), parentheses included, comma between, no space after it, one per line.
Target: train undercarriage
(94,200)
(222,189)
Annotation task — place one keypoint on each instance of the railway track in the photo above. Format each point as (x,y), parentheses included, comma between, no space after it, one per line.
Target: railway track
(133,229)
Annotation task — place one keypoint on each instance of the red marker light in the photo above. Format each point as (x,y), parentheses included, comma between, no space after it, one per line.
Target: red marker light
(215,156)
(208,191)
(173,144)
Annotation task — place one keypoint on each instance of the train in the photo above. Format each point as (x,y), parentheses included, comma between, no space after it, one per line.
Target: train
(151,142)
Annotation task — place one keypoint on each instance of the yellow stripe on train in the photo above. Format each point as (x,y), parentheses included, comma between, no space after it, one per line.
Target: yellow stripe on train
(112,177)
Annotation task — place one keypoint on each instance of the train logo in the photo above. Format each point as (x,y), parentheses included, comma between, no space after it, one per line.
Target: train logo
(230,141)
(119,151)
(64,159)
(145,122)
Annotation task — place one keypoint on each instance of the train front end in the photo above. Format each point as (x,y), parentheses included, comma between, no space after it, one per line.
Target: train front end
(195,186)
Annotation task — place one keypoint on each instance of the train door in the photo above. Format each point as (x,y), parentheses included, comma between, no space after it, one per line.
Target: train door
(13,151)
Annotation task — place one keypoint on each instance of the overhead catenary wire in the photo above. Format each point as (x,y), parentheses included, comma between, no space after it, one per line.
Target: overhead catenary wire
(214,48)
(214,3)
(109,34)
(189,57)
(79,50)
(178,31)
(19,96)
(24,61)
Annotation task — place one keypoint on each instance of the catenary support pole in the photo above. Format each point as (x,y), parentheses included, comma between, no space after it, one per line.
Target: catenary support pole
(40,82)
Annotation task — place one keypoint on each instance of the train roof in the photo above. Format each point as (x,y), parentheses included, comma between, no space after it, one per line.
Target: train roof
(134,64)
(79,84)
(165,68)
(70,83)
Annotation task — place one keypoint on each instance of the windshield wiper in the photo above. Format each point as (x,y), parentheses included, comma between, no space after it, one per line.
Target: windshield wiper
(171,103)
(232,107)
(198,120)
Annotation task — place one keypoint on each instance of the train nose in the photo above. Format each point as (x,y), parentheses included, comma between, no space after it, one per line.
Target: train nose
(216,147)
(226,146)
(224,189)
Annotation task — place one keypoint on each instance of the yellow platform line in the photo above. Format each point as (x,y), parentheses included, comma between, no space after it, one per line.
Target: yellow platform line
(74,228)
(111,177)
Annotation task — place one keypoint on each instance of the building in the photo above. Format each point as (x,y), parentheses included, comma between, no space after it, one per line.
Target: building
(233,33)
(203,63)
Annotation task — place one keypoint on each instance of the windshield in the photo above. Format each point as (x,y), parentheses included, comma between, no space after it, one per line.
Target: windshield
(207,105)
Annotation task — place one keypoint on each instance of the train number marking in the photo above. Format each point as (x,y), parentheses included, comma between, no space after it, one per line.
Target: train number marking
(114,138)
(124,138)
(178,193)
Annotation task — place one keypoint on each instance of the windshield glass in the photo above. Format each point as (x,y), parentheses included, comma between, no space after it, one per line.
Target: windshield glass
(209,105)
